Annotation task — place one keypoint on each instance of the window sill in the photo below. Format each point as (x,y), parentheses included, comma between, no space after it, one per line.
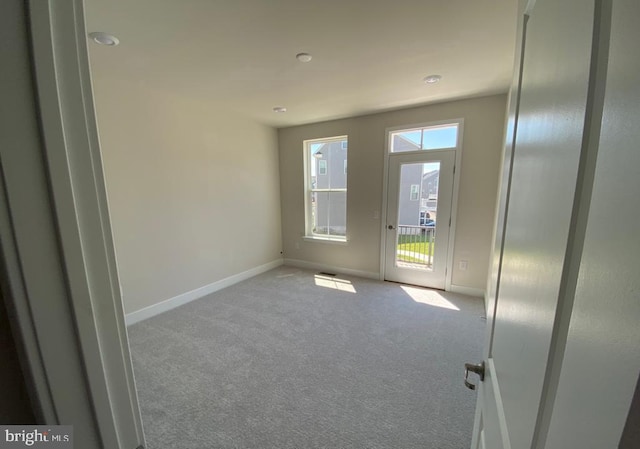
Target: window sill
(319,239)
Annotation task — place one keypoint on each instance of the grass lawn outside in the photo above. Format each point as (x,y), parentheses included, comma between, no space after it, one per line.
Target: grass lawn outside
(416,244)
(405,258)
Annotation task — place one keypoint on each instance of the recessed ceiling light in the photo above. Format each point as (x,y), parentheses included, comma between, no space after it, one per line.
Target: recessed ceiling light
(303,57)
(432,79)
(104,38)
(279,109)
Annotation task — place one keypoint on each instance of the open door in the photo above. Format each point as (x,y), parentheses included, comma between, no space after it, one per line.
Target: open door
(535,219)
(562,361)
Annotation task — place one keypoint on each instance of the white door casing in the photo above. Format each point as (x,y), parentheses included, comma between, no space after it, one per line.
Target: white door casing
(55,236)
(398,272)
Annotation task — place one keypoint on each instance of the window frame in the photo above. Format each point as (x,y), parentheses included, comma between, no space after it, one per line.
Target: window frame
(309,190)
(422,128)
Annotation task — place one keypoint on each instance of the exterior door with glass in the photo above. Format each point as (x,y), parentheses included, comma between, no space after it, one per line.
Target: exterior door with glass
(420,190)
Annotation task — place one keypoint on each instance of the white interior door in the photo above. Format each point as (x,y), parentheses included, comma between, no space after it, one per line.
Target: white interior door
(546,156)
(601,361)
(420,189)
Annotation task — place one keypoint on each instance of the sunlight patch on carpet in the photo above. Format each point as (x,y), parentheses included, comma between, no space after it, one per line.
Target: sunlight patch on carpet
(429,297)
(335,283)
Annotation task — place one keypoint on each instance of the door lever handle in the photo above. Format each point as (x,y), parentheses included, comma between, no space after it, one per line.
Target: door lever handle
(474,368)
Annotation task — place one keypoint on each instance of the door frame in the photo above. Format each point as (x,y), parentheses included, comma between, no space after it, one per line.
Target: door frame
(435,277)
(454,198)
(66,297)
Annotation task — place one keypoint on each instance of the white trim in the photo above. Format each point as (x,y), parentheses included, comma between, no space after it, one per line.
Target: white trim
(454,205)
(454,200)
(497,396)
(77,191)
(63,282)
(306,145)
(331,268)
(383,207)
(319,239)
(469,291)
(177,301)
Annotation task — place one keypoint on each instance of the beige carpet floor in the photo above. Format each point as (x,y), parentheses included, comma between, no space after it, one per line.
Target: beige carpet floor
(293,359)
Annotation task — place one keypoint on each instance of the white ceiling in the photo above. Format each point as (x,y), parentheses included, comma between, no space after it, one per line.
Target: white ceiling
(368,55)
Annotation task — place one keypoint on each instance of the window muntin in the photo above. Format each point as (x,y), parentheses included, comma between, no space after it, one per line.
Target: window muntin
(326,188)
(425,138)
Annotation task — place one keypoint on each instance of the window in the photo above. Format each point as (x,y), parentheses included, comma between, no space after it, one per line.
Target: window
(428,138)
(415,192)
(326,188)
(322,167)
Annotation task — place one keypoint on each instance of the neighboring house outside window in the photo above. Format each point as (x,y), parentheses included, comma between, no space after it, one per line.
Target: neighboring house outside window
(326,188)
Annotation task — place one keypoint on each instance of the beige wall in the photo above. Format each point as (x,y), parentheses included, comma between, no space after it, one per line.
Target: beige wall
(193,192)
(483,140)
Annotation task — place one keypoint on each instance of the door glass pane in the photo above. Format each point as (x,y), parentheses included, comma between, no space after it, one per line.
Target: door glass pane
(409,140)
(417,217)
(441,137)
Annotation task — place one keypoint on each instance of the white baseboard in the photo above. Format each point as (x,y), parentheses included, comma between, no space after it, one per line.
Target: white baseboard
(172,303)
(331,268)
(469,291)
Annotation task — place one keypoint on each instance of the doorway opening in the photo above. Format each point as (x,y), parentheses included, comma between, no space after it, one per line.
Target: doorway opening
(420,198)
